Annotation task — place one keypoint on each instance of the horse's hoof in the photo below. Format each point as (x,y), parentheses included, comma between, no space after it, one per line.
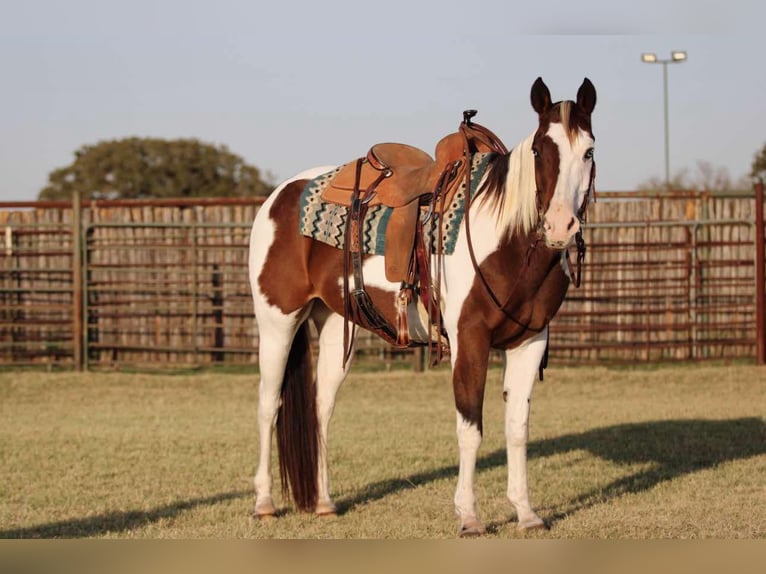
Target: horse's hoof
(326,509)
(471,528)
(265,510)
(264,516)
(531,523)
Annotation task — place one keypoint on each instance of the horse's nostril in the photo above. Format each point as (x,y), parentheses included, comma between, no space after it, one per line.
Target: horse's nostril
(571,224)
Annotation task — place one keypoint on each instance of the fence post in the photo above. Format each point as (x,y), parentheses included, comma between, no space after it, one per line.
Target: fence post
(77,308)
(217,305)
(760,277)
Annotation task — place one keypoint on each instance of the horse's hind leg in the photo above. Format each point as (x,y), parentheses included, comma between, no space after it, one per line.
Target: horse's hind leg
(521,365)
(330,375)
(276,335)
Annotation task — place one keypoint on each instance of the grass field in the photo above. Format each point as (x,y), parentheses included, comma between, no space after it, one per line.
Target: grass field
(670,452)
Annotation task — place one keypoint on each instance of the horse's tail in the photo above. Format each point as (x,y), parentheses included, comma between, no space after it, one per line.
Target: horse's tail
(298,426)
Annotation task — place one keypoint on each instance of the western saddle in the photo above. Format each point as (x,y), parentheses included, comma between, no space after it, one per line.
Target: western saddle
(416,187)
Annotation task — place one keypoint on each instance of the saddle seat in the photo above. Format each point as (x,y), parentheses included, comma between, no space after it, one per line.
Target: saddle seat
(404,173)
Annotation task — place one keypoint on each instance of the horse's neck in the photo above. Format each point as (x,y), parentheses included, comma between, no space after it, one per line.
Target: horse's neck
(488,229)
(485,235)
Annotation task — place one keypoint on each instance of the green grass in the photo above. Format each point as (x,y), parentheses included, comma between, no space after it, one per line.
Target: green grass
(673,452)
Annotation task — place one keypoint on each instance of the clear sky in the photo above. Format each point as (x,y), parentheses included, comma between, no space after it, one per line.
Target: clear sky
(293,84)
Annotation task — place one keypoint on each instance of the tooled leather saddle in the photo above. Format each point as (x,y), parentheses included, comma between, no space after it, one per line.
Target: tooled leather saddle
(416,187)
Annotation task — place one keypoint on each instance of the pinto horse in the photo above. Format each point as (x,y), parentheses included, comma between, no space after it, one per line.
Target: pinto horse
(500,287)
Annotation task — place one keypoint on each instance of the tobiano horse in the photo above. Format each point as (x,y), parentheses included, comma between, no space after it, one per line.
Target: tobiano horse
(500,287)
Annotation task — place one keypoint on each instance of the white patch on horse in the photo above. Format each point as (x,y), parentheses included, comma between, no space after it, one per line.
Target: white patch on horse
(561,222)
(374,273)
(519,373)
(469,441)
(459,272)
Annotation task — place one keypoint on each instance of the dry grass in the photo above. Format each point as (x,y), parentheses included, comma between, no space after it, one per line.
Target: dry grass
(649,453)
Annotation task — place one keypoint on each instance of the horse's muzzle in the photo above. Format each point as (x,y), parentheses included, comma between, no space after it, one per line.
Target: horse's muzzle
(559,232)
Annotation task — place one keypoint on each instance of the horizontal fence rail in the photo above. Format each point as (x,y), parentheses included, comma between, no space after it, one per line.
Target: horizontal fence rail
(664,291)
(670,276)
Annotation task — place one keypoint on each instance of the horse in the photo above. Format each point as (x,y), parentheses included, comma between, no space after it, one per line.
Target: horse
(500,288)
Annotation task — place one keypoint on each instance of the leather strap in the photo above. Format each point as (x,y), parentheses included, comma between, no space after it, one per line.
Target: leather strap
(477,269)
(358,306)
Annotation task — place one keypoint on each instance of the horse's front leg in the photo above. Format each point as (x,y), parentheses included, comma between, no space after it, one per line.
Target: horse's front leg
(521,365)
(469,375)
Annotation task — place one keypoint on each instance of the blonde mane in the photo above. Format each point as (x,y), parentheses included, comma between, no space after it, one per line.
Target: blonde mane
(510,190)
(514,200)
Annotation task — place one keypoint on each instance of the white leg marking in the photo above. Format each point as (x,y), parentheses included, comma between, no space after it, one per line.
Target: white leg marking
(330,376)
(278,331)
(521,366)
(469,441)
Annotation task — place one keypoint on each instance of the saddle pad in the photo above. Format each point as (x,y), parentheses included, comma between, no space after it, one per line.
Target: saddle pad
(326,222)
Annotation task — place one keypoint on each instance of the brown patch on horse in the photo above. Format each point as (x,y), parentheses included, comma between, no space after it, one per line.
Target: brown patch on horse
(469,374)
(546,169)
(284,277)
(531,296)
(298,268)
(535,308)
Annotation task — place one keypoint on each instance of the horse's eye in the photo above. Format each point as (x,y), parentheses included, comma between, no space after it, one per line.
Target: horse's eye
(535,152)
(589,153)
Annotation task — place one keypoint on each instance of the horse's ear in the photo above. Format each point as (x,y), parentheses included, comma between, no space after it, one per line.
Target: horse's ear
(586,97)
(540,96)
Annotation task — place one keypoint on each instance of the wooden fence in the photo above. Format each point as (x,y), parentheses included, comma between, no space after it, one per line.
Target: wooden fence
(164,283)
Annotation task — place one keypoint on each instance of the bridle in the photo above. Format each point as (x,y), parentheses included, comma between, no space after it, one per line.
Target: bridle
(582,217)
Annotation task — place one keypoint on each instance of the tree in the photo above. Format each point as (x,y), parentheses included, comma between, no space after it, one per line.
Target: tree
(148,167)
(759,164)
(706,177)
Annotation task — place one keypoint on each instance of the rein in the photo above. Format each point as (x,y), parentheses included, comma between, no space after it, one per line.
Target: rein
(498,146)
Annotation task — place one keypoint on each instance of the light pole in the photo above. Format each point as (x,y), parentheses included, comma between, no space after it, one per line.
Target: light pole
(676,57)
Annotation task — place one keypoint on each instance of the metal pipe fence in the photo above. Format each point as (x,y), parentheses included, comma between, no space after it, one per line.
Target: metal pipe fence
(164,283)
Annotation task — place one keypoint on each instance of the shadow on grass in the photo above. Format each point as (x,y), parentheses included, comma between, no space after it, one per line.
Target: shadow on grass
(675,448)
(118,521)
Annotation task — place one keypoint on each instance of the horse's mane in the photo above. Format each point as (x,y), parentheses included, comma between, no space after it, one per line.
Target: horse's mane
(509,189)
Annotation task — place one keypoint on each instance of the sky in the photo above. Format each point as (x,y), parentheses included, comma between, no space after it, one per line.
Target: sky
(288,85)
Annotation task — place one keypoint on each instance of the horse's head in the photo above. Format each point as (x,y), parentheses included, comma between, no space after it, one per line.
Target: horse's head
(563,152)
